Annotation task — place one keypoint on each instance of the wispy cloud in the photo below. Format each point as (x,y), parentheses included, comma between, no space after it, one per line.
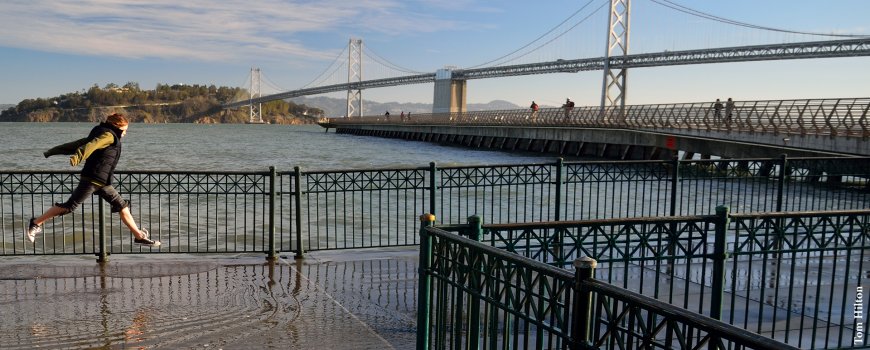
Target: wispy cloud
(211,30)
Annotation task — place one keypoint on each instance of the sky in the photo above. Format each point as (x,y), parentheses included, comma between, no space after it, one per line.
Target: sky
(52,47)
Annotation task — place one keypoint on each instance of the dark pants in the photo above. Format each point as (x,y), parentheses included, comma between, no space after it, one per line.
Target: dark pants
(86,188)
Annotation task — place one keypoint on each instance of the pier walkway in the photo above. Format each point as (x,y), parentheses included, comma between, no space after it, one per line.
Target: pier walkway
(799,128)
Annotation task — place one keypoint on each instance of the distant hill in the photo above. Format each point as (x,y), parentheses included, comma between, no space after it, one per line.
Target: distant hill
(4,107)
(337,107)
(178,103)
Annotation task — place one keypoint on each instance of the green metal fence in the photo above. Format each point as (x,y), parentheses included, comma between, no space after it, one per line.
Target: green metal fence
(793,277)
(301,211)
(474,296)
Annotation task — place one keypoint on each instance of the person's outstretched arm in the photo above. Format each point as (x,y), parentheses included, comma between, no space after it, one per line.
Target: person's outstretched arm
(67,148)
(84,151)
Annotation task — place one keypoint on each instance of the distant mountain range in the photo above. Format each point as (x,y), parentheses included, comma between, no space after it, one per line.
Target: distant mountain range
(337,107)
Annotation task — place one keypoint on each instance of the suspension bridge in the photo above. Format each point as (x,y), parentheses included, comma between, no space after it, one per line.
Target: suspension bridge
(662,33)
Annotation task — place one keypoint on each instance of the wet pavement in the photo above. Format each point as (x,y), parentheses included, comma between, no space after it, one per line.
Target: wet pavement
(351,299)
(335,300)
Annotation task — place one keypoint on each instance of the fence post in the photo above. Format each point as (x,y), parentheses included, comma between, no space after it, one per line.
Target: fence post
(475,233)
(581,310)
(672,237)
(432,187)
(559,164)
(675,181)
(297,179)
(102,256)
(475,228)
(781,183)
(270,255)
(424,293)
(719,257)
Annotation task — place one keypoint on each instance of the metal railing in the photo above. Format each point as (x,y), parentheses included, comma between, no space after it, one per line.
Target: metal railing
(793,277)
(473,296)
(832,117)
(297,211)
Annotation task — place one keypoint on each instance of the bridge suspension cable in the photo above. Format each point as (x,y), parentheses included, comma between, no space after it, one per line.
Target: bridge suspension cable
(575,47)
(705,15)
(272,84)
(559,35)
(665,25)
(340,55)
(242,94)
(388,63)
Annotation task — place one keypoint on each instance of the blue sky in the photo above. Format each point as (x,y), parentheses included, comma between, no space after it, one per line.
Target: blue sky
(51,47)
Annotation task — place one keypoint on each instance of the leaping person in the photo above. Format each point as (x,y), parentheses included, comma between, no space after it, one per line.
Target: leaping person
(101,151)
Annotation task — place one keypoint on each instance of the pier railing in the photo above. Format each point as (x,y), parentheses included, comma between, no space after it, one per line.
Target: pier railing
(791,277)
(297,211)
(831,117)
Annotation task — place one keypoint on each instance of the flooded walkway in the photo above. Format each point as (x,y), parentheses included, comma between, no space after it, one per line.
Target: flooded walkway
(332,300)
(352,299)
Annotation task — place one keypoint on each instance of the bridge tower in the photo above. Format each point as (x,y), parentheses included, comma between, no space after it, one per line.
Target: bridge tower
(256,115)
(618,23)
(354,74)
(449,93)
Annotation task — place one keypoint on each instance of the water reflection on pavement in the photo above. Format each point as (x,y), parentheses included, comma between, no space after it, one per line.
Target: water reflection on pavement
(336,300)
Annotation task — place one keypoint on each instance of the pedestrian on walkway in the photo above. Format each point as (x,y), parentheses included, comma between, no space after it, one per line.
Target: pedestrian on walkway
(729,109)
(568,106)
(403,115)
(718,109)
(100,151)
(534,108)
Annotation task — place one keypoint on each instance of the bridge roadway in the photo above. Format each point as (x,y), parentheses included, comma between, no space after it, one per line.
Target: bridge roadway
(816,49)
(798,128)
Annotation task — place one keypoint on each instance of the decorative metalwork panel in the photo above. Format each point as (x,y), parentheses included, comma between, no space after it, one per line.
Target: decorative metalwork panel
(358,209)
(604,190)
(622,320)
(367,180)
(826,184)
(668,257)
(511,193)
(191,183)
(495,301)
(606,242)
(743,185)
(802,268)
(186,212)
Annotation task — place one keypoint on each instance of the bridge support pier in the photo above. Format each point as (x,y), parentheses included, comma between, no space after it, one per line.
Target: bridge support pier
(449,93)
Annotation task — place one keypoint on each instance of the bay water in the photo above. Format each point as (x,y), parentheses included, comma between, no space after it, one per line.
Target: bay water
(243,147)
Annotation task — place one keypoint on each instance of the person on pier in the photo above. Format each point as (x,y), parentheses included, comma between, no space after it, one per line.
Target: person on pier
(729,109)
(534,108)
(100,151)
(568,106)
(717,107)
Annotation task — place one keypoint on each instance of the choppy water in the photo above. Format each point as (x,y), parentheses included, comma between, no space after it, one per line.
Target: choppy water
(237,147)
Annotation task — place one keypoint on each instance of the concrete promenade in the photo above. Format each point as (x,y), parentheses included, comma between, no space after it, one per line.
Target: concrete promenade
(335,300)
